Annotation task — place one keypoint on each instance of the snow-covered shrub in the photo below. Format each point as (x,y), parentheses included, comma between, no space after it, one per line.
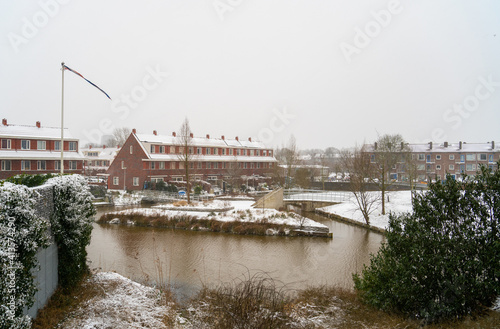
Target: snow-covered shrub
(442,261)
(22,232)
(71,225)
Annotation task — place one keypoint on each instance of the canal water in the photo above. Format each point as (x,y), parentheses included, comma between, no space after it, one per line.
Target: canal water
(187,260)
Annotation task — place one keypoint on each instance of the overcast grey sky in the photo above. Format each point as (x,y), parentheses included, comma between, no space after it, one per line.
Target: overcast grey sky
(333,73)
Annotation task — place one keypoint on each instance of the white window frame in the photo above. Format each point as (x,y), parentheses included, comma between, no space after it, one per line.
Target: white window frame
(8,144)
(41,145)
(152,149)
(25,144)
(481,155)
(41,165)
(116,180)
(24,163)
(135,181)
(131,149)
(73,165)
(438,156)
(72,146)
(470,157)
(6,165)
(57,145)
(452,157)
(57,165)
(451,167)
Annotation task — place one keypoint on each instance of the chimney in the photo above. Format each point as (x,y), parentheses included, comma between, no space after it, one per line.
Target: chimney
(249,139)
(492,145)
(174,134)
(208,136)
(375,145)
(38,124)
(430,145)
(4,122)
(445,144)
(155,133)
(191,135)
(118,146)
(402,145)
(103,147)
(223,138)
(134,131)
(90,147)
(460,145)
(237,138)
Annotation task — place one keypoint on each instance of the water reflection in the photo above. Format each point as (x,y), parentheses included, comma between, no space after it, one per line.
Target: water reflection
(190,259)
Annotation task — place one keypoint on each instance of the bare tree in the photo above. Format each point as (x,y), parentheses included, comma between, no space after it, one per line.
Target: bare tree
(357,164)
(290,158)
(186,154)
(388,152)
(119,136)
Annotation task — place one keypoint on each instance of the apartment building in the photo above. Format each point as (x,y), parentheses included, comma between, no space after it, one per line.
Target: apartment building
(153,158)
(98,159)
(433,161)
(37,150)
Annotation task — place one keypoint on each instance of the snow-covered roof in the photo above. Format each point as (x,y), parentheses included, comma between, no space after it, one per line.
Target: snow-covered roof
(39,155)
(211,158)
(198,141)
(20,131)
(103,152)
(449,147)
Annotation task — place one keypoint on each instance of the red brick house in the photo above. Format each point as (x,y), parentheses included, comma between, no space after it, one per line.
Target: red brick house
(153,158)
(36,150)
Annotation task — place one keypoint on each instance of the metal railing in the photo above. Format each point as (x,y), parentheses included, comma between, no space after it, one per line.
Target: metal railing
(315,195)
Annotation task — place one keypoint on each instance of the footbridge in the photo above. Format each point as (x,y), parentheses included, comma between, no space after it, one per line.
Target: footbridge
(308,200)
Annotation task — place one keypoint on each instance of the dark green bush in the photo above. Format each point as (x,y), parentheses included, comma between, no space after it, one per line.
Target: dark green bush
(30,180)
(443,260)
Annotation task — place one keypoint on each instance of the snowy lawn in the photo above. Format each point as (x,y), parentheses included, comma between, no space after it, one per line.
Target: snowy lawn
(399,202)
(122,198)
(123,304)
(215,205)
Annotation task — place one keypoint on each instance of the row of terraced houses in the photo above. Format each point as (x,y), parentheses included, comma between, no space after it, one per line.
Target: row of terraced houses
(154,158)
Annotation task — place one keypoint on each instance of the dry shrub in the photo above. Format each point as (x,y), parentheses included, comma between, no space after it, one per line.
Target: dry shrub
(181,203)
(227,227)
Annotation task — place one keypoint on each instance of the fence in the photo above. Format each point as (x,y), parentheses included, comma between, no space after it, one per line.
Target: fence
(315,195)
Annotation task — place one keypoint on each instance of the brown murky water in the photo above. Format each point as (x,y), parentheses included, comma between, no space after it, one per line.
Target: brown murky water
(187,260)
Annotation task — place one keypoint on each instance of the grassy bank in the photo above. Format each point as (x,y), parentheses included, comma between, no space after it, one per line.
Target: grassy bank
(257,301)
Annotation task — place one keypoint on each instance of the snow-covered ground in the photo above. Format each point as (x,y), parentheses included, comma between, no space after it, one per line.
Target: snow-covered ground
(215,205)
(396,202)
(124,304)
(124,199)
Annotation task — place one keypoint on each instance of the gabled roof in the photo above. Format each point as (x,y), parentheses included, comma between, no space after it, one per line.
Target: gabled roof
(449,148)
(20,131)
(198,141)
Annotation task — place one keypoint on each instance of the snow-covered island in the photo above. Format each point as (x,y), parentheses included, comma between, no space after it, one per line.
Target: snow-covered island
(237,217)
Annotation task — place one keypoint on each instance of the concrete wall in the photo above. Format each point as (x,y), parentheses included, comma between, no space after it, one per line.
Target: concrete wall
(46,276)
(272,200)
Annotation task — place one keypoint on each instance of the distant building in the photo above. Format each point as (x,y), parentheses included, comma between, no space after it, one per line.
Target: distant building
(98,159)
(37,150)
(154,158)
(435,161)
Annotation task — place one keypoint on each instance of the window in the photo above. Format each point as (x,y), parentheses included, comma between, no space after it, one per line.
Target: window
(451,167)
(191,165)
(162,149)
(471,167)
(452,156)
(491,157)
(208,150)
(152,165)
(131,149)
(421,157)
(462,168)
(245,165)
(191,151)
(244,152)
(25,144)
(116,180)
(471,157)
(216,165)
(372,158)
(199,165)
(123,165)
(420,167)
(57,145)
(198,150)
(223,151)
(6,143)
(72,146)
(251,153)
(209,165)
(135,181)
(462,158)
(72,165)
(215,151)
(230,151)
(237,151)
(429,157)
(152,148)
(212,177)
(482,157)
(40,145)
(25,165)
(6,165)
(172,149)
(41,165)
(162,164)
(438,156)
(57,165)
(438,167)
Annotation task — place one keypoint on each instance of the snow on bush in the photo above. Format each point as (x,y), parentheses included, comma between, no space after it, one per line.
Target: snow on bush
(22,232)
(72,225)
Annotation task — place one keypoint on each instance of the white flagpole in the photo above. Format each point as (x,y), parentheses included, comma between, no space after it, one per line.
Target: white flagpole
(62,120)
